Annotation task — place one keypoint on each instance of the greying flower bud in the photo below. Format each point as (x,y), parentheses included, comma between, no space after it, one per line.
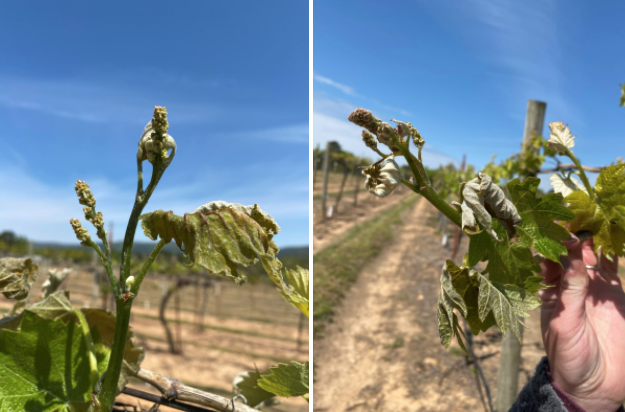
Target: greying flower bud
(129,281)
(155,138)
(381,180)
(407,129)
(85,197)
(81,233)
(364,118)
(369,140)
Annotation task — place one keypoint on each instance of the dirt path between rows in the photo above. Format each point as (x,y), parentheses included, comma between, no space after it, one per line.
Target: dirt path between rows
(383,353)
(328,231)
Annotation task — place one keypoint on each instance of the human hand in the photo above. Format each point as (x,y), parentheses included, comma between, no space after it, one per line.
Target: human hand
(583,327)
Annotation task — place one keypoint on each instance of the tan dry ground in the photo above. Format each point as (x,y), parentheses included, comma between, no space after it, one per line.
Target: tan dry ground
(361,363)
(246,326)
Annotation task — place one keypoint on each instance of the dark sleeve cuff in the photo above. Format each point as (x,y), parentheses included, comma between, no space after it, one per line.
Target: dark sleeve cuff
(569,403)
(542,394)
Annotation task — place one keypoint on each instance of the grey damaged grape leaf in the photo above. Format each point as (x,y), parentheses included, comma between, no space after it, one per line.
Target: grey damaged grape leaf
(457,292)
(511,261)
(286,380)
(55,278)
(16,277)
(605,218)
(45,366)
(217,240)
(246,384)
(482,303)
(263,218)
(481,201)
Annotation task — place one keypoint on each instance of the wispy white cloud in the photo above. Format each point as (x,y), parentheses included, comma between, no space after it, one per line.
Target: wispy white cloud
(289,134)
(351,92)
(345,89)
(525,44)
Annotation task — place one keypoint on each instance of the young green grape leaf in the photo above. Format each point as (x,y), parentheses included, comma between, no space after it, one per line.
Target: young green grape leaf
(217,240)
(297,293)
(45,366)
(246,384)
(481,302)
(16,277)
(506,302)
(57,306)
(286,380)
(538,215)
(605,216)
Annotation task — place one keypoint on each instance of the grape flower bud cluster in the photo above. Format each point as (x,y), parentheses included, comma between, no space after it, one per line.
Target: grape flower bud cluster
(155,139)
(81,233)
(85,197)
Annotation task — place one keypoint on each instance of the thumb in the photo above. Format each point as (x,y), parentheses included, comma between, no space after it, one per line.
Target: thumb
(574,282)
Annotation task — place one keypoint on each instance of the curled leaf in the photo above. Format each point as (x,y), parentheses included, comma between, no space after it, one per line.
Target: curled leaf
(382,179)
(560,138)
(261,217)
(483,200)
(297,292)
(218,240)
(55,278)
(16,277)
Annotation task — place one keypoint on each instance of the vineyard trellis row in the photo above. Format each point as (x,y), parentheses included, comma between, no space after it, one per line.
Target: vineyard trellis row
(94,350)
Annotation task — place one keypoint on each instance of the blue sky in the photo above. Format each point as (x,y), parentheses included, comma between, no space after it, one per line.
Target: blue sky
(79,81)
(462,72)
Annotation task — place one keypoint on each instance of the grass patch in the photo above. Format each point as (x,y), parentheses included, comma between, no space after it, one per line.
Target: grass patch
(336,268)
(334,195)
(398,343)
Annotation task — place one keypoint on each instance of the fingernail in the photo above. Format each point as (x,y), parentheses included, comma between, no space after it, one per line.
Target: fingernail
(573,240)
(566,263)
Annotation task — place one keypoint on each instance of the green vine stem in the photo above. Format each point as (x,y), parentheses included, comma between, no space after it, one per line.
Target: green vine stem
(410,186)
(108,266)
(425,189)
(93,362)
(146,266)
(123,306)
(582,174)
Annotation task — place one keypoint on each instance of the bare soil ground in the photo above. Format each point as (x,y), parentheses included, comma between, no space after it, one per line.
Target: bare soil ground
(348,215)
(383,352)
(245,327)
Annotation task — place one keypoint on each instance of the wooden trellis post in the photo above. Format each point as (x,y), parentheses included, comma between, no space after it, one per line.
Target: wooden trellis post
(508,377)
(326,168)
